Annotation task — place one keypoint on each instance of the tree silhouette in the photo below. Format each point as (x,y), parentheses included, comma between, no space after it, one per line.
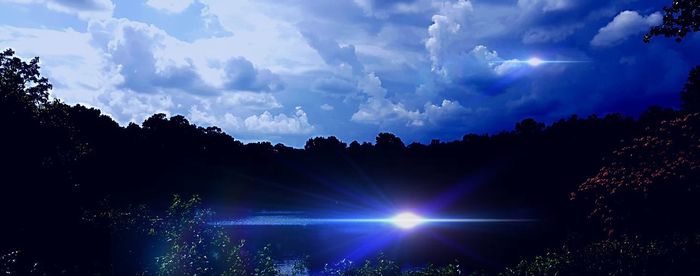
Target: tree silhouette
(388,141)
(327,145)
(529,127)
(21,83)
(681,18)
(690,96)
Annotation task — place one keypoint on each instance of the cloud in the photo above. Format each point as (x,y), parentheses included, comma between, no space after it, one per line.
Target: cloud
(624,25)
(242,75)
(155,72)
(333,53)
(264,32)
(382,111)
(265,123)
(447,111)
(150,60)
(546,5)
(385,8)
(138,52)
(379,110)
(375,62)
(550,34)
(170,6)
(68,60)
(279,124)
(449,37)
(84,5)
(247,101)
(446,32)
(248,113)
(478,64)
(334,85)
(84,9)
(126,106)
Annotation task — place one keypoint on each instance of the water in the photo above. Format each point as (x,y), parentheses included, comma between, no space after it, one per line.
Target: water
(482,244)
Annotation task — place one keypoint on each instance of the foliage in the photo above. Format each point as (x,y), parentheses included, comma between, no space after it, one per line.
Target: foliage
(194,247)
(379,266)
(40,148)
(324,145)
(12,263)
(690,96)
(452,269)
(650,184)
(628,255)
(301,266)
(682,17)
(241,262)
(21,83)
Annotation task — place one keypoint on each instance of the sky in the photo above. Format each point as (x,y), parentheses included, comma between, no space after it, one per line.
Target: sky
(287,70)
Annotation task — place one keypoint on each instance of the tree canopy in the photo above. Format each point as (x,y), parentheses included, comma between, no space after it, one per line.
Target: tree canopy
(690,96)
(681,18)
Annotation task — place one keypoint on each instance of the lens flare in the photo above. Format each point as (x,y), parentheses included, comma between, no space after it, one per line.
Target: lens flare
(406,220)
(535,61)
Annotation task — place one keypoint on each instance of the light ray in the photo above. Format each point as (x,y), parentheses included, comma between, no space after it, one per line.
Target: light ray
(401,221)
(535,61)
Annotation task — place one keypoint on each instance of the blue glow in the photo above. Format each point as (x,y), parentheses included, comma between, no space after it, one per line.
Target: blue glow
(401,220)
(535,61)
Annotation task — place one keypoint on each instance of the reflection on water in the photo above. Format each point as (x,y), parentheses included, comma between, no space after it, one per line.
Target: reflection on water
(476,244)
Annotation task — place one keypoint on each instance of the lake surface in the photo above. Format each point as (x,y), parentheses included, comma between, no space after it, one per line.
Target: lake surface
(474,244)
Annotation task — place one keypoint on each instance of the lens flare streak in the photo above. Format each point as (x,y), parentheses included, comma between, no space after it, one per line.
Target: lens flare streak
(398,221)
(535,61)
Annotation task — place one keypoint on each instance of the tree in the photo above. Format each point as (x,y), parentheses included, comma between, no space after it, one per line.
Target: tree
(690,96)
(652,184)
(322,144)
(389,141)
(681,18)
(193,246)
(21,82)
(529,127)
(156,121)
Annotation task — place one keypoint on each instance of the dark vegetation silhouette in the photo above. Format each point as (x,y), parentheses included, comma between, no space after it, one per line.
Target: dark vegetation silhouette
(681,18)
(80,194)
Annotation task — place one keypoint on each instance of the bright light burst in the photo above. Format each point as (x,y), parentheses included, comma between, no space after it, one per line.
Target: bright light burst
(534,61)
(407,220)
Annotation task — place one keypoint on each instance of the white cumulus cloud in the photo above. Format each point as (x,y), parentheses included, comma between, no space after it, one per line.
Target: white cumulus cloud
(378,109)
(279,124)
(624,25)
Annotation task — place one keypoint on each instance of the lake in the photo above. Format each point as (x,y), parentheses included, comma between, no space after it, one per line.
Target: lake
(490,244)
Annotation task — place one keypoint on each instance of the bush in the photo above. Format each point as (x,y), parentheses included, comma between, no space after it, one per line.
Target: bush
(674,255)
